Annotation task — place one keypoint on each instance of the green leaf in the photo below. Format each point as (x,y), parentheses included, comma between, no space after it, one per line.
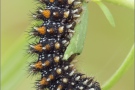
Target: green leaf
(77,41)
(107,13)
(125,3)
(129,60)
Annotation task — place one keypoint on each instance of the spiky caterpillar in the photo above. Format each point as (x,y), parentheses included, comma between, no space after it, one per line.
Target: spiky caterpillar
(59,20)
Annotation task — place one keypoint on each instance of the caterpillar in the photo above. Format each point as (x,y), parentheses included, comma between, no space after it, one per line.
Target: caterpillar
(59,20)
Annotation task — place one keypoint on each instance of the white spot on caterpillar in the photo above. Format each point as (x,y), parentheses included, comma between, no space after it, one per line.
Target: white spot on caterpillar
(72,31)
(41,10)
(90,84)
(32,65)
(69,26)
(70,1)
(81,88)
(35,28)
(85,82)
(65,80)
(92,89)
(43,48)
(72,83)
(77,3)
(72,73)
(31,46)
(77,78)
(76,16)
(65,68)
(74,11)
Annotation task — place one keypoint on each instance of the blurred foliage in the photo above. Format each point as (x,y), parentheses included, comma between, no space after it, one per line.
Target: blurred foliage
(107,13)
(122,69)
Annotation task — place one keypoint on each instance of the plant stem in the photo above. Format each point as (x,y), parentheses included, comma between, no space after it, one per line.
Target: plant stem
(129,60)
(125,3)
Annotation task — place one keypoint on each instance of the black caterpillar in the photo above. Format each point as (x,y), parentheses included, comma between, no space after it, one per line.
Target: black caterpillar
(59,20)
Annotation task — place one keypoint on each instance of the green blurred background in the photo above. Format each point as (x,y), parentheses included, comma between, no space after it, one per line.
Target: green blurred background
(105,47)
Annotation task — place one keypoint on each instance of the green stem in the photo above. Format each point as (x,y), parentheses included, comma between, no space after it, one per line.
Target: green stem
(129,60)
(125,3)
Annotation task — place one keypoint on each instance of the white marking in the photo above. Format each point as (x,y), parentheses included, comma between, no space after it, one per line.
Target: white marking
(48,30)
(72,31)
(35,16)
(65,80)
(76,16)
(35,28)
(76,3)
(43,48)
(43,64)
(31,33)
(31,46)
(72,83)
(70,1)
(85,82)
(64,41)
(41,10)
(61,56)
(54,13)
(90,84)
(69,26)
(32,65)
(65,68)
(92,89)
(39,58)
(48,79)
(74,11)
(81,88)
(77,78)
(72,73)
(38,84)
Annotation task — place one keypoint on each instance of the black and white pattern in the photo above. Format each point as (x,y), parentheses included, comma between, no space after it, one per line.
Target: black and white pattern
(59,20)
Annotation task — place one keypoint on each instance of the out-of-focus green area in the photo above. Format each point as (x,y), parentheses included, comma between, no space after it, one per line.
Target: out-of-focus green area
(105,47)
